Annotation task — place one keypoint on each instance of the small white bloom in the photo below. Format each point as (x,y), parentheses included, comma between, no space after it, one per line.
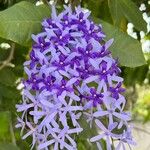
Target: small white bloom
(149,2)
(20,86)
(85,10)
(66,1)
(134,35)
(145,16)
(130,25)
(142,7)
(146,81)
(148,27)
(4,45)
(146,46)
(39,3)
(129,31)
(142,34)
(51,2)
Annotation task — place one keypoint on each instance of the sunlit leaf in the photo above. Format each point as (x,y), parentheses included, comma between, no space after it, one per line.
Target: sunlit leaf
(7,77)
(116,11)
(8,146)
(18,22)
(5,126)
(126,8)
(125,48)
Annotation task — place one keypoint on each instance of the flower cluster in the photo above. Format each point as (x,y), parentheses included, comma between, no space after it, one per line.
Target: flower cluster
(71,71)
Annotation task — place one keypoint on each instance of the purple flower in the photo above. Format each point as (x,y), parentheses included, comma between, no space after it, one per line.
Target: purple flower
(71,71)
(116,90)
(102,53)
(60,38)
(126,137)
(61,64)
(107,133)
(41,45)
(112,111)
(94,98)
(62,87)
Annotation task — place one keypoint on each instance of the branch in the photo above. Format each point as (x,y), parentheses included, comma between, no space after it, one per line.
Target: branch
(74,3)
(10,57)
(12,133)
(46,2)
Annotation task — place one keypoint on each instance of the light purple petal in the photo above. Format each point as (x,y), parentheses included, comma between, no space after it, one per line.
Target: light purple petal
(56,146)
(24,107)
(62,98)
(97,138)
(100,125)
(71,56)
(71,141)
(98,146)
(71,81)
(28,134)
(91,79)
(112,126)
(75,130)
(109,43)
(46,103)
(46,144)
(72,108)
(64,73)
(94,63)
(122,116)
(62,50)
(29,95)
(73,96)
(108,144)
(100,113)
(54,14)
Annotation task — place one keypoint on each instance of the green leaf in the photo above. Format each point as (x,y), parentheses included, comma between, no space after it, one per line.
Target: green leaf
(7,77)
(5,126)
(116,11)
(3,54)
(8,146)
(129,75)
(87,133)
(99,9)
(18,22)
(126,8)
(132,13)
(9,97)
(127,49)
(31,1)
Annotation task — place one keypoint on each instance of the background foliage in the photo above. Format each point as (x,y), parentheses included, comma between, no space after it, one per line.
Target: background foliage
(19,19)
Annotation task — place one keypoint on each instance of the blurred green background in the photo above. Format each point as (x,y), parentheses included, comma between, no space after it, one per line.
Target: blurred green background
(127,21)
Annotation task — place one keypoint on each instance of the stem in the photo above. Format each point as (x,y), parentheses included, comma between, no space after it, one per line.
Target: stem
(113,146)
(46,2)
(10,57)
(12,134)
(74,3)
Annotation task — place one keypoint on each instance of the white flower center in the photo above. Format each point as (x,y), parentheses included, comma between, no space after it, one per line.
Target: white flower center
(104,71)
(81,20)
(66,22)
(90,31)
